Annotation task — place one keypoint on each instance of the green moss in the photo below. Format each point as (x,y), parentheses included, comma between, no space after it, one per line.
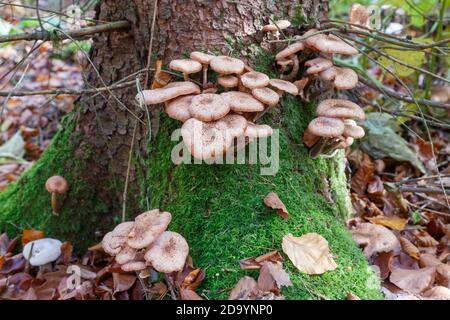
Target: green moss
(26,204)
(220,211)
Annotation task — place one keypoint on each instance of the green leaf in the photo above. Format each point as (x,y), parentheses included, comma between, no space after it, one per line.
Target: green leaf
(413,58)
(13,150)
(382,141)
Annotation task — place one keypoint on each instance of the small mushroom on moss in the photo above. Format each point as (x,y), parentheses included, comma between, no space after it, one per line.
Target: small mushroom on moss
(133,266)
(209,107)
(326,129)
(42,251)
(274,28)
(353,130)
(186,66)
(204,59)
(147,228)
(343,78)
(290,50)
(258,130)
(56,185)
(169,252)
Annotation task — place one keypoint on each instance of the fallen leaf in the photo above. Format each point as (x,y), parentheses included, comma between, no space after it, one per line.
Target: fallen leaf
(29,235)
(437,293)
(13,265)
(123,282)
(384,263)
(6,245)
(272,277)
(375,238)
(256,262)
(428,260)
(413,281)
(443,275)
(21,281)
(394,222)
(363,175)
(351,296)
(66,252)
(158,290)
(409,248)
(244,289)
(186,294)
(273,201)
(161,78)
(309,253)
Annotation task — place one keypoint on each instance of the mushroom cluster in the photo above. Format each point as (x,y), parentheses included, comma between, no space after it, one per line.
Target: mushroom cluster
(335,126)
(144,242)
(216,114)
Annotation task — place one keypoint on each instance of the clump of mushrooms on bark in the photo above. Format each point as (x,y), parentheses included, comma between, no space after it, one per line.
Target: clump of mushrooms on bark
(215,115)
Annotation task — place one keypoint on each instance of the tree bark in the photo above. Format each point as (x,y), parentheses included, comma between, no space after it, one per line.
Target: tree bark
(218,208)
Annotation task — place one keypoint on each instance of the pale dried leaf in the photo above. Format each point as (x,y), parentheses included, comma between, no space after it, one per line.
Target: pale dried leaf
(375,238)
(273,201)
(437,293)
(413,281)
(244,289)
(309,253)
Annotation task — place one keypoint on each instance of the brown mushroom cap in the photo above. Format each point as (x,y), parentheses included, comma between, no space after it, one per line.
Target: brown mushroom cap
(257,130)
(330,44)
(278,25)
(56,184)
(171,91)
(290,50)
(358,15)
(338,108)
(227,65)
(235,124)
(242,102)
(186,66)
(147,227)
(343,78)
(317,65)
(168,253)
(352,129)
(205,140)
(125,255)
(326,127)
(178,108)
(266,96)
(228,81)
(254,79)
(285,86)
(208,107)
(113,241)
(133,266)
(201,57)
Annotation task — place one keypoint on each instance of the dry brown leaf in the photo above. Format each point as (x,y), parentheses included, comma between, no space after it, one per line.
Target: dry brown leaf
(123,282)
(186,294)
(428,260)
(66,252)
(424,239)
(384,262)
(443,275)
(363,175)
(310,253)
(375,238)
(272,277)
(273,201)
(437,293)
(414,281)
(245,289)
(351,296)
(409,248)
(29,235)
(161,78)
(256,262)
(394,222)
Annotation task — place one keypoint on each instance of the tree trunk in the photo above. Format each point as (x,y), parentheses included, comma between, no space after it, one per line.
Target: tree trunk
(218,208)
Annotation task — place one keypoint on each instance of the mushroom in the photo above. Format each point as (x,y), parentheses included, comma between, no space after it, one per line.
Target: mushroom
(301,84)
(209,107)
(56,185)
(257,130)
(295,67)
(329,44)
(274,28)
(169,92)
(290,50)
(126,254)
(204,59)
(343,78)
(147,227)
(178,108)
(254,79)
(224,65)
(228,82)
(113,241)
(325,128)
(358,15)
(352,130)
(186,66)
(266,96)
(133,266)
(284,64)
(282,86)
(42,251)
(169,252)
(338,108)
(242,102)
(317,65)
(206,140)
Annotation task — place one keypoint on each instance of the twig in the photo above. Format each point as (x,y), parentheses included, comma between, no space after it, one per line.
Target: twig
(422,178)
(80,33)
(65,91)
(127,178)
(423,189)
(150,46)
(39,16)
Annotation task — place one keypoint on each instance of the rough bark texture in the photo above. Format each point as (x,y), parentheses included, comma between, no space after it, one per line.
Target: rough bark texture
(218,208)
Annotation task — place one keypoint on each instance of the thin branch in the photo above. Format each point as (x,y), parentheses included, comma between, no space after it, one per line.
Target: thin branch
(150,46)
(423,189)
(76,34)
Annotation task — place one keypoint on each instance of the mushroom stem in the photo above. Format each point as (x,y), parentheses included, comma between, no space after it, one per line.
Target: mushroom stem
(186,76)
(259,115)
(317,148)
(294,71)
(55,204)
(325,146)
(205,75)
